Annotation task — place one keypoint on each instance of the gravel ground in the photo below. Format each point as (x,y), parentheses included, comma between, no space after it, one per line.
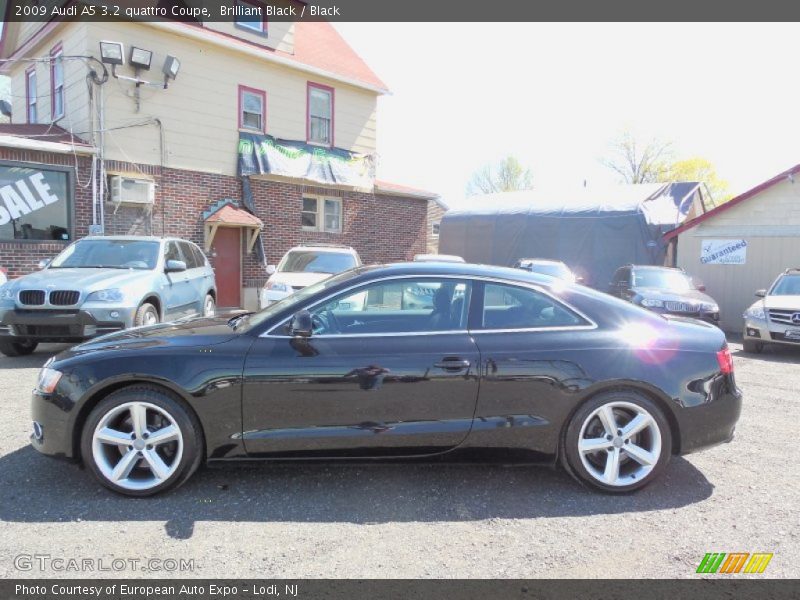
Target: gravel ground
(321,521)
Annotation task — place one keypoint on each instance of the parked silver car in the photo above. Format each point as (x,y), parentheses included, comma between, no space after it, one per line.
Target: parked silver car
(99,285)
(775,316)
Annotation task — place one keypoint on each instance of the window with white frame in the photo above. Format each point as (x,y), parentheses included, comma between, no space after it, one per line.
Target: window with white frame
(56,84)
(435,229)
(320,114)
(31,96)
(322,214)
(250,18)
(252,109)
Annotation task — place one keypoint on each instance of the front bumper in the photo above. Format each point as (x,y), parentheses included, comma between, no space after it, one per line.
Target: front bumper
(268,297)
(708,317)
(63,325)
(767,332)
(53,414)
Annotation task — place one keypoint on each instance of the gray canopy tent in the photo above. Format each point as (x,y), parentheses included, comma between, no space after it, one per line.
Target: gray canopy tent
(594,231)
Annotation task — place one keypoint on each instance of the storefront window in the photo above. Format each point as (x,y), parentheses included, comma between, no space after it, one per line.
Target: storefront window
(34,203)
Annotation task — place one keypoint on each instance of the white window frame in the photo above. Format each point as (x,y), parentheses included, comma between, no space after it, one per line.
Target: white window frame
(262,99)
(57,88)
(320,213)
(435,228)
(32,99)
(259,26)
(316,87)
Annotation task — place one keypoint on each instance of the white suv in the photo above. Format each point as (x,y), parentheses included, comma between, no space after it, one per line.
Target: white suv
(303,265)
(775,317)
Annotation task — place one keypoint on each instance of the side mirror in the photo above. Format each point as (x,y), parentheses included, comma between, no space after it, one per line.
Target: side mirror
(701,288)
(579,279)
(175,266)
(271,269)
(44,263)
(301,325)
(761,293)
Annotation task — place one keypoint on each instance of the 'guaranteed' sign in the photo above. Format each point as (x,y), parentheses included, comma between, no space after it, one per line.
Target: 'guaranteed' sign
(723,252)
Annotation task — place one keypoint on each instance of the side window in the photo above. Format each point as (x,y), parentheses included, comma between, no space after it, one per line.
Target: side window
(172,253)
(511,307)
(398,306)
(189,255)
(198,255)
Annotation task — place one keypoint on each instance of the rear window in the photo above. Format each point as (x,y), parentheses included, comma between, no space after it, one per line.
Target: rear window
(309,261)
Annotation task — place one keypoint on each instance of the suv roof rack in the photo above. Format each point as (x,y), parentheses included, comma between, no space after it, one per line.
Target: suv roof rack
(792,270)
(324,245)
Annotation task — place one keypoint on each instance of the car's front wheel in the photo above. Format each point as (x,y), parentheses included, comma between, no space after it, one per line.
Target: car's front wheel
(209,306)
(146,314)
(617,442)
(17,348)
(140,441)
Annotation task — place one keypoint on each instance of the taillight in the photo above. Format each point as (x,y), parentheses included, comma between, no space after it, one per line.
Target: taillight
(725,361)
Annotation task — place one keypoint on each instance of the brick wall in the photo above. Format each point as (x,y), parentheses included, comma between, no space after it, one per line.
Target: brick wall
(380,228)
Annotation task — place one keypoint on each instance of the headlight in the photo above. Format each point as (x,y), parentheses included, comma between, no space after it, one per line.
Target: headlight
(6,293)
(709,308)
(755,312)
(652,303)
(48,380)
(277,286)
(113,295)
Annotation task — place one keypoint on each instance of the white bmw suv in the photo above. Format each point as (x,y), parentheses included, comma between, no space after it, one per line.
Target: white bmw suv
(775,316)
(303,265)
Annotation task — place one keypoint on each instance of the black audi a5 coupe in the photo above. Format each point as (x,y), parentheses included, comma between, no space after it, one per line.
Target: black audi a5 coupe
(500,364)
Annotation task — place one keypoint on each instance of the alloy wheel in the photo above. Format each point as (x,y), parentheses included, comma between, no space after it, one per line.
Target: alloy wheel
(137,445)
(619,443)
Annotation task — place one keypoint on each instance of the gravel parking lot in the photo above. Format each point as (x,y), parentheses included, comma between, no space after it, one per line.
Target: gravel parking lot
(416,520)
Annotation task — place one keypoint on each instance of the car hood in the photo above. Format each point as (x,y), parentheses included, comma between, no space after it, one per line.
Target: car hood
(299,279)
(202,331)
(81,279)
(787,302)
(668,296)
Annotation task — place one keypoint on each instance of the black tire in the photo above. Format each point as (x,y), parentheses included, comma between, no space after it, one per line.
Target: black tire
(143,312)
(17,348)
(752,346)
(571,455)
(191,431)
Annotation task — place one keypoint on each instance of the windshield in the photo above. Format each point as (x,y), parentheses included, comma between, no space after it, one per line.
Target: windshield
(662,279)
(311,261)
(113,254)
(788,285)
(295,299)
(552,269)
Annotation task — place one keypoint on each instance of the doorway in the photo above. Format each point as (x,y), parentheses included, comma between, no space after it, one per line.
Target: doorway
(228,266)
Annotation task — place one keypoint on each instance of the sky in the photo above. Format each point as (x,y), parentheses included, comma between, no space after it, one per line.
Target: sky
(556,95)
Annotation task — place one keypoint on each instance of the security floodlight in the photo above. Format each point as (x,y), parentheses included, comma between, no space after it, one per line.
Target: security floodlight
(112,53)
(171,67)
(140,58)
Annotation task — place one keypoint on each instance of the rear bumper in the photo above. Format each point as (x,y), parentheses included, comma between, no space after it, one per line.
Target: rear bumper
(63,325)
(713,422)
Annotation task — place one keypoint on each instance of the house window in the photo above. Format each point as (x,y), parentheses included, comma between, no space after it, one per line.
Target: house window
(31,95)
(322,214)
(56,83)
(251,19)
(435,229)
(35,202)
(252,109)
(319,128)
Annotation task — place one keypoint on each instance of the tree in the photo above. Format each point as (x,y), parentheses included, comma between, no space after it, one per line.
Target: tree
(506,176)
(636,161)
(698,169)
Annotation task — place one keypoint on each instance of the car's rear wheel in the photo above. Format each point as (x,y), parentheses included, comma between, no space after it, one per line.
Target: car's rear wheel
(140,441)
(209,306)
(752,346)
(146,314)
(17,348)
(617,442)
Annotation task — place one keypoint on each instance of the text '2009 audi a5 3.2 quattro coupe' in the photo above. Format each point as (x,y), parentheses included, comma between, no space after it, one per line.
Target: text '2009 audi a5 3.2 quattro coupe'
(501,363)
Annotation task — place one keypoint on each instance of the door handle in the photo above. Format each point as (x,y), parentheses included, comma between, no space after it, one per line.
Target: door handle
(453,364)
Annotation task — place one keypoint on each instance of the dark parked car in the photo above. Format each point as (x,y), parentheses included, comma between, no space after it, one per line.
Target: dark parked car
(664,290)
(554,268)
(502,363)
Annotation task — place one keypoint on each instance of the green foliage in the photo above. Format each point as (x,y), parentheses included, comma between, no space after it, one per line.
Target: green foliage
(506,176)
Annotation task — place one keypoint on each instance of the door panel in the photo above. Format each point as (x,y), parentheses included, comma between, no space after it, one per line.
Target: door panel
(228,266)
(359,396)
(177,291)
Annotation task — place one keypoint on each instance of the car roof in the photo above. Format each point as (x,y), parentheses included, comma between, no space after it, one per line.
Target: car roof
(656,268)
(133,238)
(542,261)
(323,248)
(455,269)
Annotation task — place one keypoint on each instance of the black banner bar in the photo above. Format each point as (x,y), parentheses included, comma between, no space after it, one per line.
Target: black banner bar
(394,589)
(407,11)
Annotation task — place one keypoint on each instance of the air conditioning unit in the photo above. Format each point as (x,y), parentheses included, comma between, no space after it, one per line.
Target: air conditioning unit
(127,190)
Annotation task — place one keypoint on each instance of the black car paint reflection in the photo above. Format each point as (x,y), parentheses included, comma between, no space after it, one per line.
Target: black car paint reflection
(262,393)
